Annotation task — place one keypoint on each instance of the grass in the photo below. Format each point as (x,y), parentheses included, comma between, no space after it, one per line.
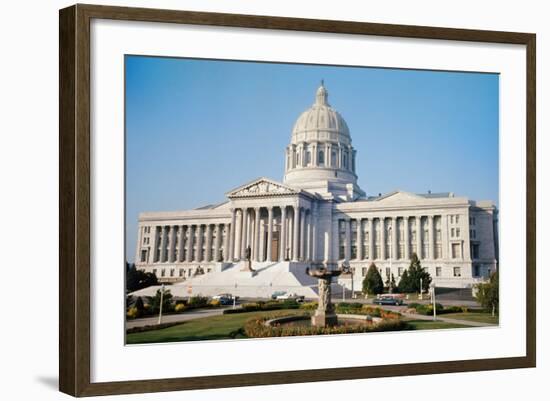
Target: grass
(431,325)
(208,328)
(479,317)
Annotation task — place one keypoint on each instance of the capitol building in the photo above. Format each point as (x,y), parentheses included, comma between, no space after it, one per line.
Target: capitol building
(317,215)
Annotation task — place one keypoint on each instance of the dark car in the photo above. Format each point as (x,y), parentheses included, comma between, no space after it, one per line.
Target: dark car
(387,301)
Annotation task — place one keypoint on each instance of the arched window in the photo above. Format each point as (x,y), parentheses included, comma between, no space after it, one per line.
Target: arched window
(308,158)
(333,159)
(345,160)
(321,158)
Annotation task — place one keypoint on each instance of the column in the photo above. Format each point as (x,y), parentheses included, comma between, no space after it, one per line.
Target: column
(180,244)
(162,244)
(226,242)
(302,240)
(371,238)
(393,245)
(359,239)
(244,233)
(445,236)
(347,254)
(269,231)
(308,235)
(208,257)
(238,234)
(171,243)
(231,250)
(383,238)
(407,252)
(282,235)
(419,237)
(217,242)
(199,254)
(154,246)
(295,225)
(431,242)
(190,234)
(257,235)
(313,220)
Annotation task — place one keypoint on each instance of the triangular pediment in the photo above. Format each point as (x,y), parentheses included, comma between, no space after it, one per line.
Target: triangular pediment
(398,197)
(261,187)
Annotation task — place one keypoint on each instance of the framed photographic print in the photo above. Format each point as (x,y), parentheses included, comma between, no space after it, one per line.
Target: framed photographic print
(262,200)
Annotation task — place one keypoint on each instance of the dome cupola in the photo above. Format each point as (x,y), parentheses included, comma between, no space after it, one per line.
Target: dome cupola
(320,157)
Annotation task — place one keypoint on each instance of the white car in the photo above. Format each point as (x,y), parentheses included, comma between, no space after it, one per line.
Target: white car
(290,295)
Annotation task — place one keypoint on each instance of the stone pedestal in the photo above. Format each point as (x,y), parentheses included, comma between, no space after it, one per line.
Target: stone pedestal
(321,319)
(247,266)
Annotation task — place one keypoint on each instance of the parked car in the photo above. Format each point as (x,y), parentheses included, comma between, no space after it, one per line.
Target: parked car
(290,295)
(225,299)
(277,293)
(387,300)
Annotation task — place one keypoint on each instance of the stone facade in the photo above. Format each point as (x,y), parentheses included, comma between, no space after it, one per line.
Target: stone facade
(318,214)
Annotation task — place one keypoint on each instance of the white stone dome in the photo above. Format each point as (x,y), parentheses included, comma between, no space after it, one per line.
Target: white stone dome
(321,122)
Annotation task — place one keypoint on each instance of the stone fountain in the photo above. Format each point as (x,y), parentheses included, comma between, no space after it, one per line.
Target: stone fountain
(325,314)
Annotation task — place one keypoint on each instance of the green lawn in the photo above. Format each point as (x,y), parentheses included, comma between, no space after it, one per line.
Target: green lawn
(479,317)
(208,328)
(229,326)
(431,325)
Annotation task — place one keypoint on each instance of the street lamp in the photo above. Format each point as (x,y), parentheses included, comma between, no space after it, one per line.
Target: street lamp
(432,288)
(161,302)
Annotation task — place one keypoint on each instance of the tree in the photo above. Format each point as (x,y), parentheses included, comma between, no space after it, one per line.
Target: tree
(166,302)
(138,279)
(487,294)
(372,283)
(410,279)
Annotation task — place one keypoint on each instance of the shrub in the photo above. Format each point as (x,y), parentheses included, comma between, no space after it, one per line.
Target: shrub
(452,309)
(428,309)
(215,302)
(257,328)
(180,307)
(197,301)
(309,305)
(132,313)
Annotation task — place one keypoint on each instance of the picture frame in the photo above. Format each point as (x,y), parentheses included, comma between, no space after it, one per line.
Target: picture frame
(76,208)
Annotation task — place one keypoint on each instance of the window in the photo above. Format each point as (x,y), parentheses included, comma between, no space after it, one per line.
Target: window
(155,272)
(438,271)
(438,251)
(399,271)
(181,272)
(163,272)
(321,158)
(472,221)
(456,272)
(475,251)
(364,271)
(472,233)
(333,159)
(388,272)
(452,232)
(458,232)
(456,219)
(455,251)
(438,234)
(452,218)
(171,272)
(476,270)
(308,158)
(143,255)
(345,160)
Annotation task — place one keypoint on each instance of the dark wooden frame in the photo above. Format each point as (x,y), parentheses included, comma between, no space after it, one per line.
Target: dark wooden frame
(74,199)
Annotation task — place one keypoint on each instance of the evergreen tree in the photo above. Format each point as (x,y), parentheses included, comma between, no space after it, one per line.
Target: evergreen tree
(166,302)
(372,283)
(410,279)
(138,279)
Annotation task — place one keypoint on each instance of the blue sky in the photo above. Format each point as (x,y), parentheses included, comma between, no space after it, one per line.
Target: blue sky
(197,128)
